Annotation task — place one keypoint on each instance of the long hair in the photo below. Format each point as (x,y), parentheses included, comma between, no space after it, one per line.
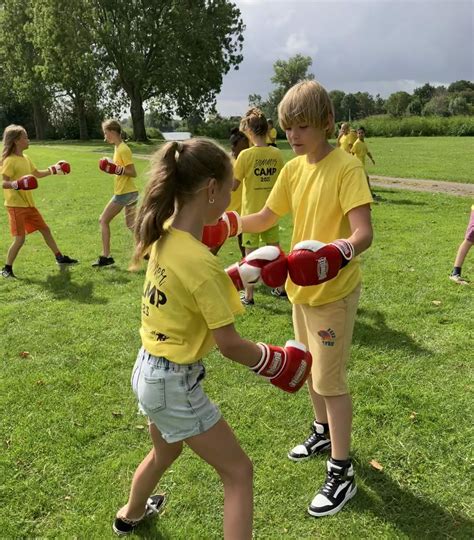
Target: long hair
(178,170)
(11,134)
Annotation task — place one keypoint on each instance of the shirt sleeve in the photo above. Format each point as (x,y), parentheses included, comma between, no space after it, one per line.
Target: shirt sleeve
(31,164)
(354,190)
(126,156)
(279,200)
(7,167)
(218,301)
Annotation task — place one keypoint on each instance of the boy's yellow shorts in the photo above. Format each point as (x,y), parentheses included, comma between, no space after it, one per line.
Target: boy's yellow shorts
(327,332)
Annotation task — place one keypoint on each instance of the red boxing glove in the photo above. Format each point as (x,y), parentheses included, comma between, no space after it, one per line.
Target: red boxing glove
(286,367)
(312,262)
(61,167)
(249,270)
(108,166)
(25,183)
(228,225)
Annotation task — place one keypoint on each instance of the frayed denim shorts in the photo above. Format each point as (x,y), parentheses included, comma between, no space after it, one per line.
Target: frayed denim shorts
(172,397)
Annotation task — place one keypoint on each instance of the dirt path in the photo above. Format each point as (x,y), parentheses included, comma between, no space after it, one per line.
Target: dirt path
(416,184)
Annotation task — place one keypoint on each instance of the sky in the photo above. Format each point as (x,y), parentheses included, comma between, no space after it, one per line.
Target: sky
(375,46)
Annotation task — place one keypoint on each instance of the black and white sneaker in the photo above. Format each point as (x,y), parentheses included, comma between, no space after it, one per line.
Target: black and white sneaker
(8,272)
(317,442)
(65,259)
(338,488)
(123,526)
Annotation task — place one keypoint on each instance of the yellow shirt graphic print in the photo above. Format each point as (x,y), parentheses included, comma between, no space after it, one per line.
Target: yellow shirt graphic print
(257,168)
(186,295)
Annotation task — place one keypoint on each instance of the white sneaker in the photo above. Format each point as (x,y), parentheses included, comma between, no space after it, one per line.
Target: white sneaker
(458,279)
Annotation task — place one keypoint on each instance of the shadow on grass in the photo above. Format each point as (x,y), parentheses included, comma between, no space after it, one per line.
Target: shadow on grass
(372,330)
(62,287)
(411,514)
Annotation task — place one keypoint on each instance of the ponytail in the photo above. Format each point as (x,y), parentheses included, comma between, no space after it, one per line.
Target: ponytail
(159,201)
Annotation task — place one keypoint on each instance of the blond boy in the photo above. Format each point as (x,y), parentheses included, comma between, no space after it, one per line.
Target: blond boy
(326,191)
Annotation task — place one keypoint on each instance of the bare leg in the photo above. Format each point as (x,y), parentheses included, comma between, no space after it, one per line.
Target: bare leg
(50,242)
(149,473)
(339,411)
(130,214)
(219,447)
(110,211)
(462,252)
(319,404)
(13,250)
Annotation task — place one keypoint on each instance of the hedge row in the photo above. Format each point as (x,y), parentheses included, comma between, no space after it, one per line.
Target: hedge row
(417,126)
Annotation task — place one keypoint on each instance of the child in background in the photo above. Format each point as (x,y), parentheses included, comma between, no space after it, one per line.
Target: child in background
(343,137)
(238,142)
(463,250)
(19,178)
(188,306)
(360,150)
(257,170)
(326,191)
(125,191)
(271,134)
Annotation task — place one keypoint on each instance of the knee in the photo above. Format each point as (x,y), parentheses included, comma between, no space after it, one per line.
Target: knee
(102,220)
(241,472)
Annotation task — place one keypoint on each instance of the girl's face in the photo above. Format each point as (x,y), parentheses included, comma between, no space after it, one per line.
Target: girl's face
(22,143)
(111,136)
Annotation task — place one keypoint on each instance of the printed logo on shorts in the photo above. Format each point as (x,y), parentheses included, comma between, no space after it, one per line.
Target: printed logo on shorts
(328,337)
(322,268)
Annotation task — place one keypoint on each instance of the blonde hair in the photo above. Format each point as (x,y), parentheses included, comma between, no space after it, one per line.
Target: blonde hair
(254,121)
(114,125)
(178,170)
(307,103)
(11,134)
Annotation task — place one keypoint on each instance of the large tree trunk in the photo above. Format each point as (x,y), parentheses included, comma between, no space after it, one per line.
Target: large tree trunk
(81,118)
(138,117)
(40,120)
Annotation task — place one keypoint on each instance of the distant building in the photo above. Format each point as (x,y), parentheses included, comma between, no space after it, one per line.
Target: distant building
(176,135)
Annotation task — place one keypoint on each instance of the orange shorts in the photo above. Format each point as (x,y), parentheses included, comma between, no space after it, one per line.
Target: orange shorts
(25,220)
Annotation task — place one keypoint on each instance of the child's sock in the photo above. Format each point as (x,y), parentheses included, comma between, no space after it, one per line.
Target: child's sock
(8,267)
(456,271)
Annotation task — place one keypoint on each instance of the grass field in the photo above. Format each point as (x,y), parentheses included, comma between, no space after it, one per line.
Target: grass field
(71,437)
(437,158)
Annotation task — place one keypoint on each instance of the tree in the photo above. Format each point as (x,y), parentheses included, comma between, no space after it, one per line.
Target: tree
(379,105)
(458,105)
(365,104)
(21,61)
(424,93)
(336,97)
(438,106)
(460,86)
(173,50)
(397,103)
(349,107)
(415,107)
(68,61)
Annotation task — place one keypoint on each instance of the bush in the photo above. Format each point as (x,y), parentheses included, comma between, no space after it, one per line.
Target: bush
(153,133)
(419,126)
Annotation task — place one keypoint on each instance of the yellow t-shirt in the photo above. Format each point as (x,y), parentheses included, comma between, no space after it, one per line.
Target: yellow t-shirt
(186,295)
(319,196)
(257,168)
(345,141)
(236,200)
(271,135)
(123,184)
(360,149)
(15,167)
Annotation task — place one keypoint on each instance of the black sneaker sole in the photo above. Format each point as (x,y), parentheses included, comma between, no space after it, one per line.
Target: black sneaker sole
(336,509)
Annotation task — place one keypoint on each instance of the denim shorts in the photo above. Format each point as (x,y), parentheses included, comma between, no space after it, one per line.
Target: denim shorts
(172,397)
(126,199)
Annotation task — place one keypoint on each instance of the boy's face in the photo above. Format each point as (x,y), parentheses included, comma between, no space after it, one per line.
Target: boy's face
(305,139)
(361,134)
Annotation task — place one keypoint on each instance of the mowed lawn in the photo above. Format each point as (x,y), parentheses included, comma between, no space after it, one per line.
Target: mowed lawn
(71,437)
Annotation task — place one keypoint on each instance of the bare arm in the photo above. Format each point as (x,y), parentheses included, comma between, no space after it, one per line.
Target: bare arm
(42,173)
(129,170)
(259,222)
(235,347)
(361,228)
(370,156)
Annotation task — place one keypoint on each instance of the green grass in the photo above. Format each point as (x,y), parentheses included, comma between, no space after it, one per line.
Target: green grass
(71,437)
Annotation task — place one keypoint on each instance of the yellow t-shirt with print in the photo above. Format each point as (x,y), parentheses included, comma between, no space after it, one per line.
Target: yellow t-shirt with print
(360,150)
(186,295)
(257,168)
(123,184)
(15,167)
(271,135)
(319,196)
